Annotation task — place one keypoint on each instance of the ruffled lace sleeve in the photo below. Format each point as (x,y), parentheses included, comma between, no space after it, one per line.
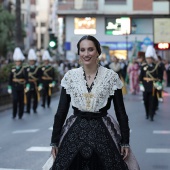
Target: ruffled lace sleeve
(115,83)
(67,82)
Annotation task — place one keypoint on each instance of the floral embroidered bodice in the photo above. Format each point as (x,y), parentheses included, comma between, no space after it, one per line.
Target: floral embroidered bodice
(105,83)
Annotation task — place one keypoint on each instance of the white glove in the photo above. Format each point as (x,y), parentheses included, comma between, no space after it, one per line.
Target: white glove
(9,91)
(39,88)
(53,84)
(141,87)
(27,89)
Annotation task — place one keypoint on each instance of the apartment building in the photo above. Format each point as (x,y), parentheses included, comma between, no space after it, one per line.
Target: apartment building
(123,26)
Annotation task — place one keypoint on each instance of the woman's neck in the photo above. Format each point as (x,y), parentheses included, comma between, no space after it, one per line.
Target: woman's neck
(89,70)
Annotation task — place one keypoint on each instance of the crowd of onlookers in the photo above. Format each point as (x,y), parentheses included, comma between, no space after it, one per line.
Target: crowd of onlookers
(128,70)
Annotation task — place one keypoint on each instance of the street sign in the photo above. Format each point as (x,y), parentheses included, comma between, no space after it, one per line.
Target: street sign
(162,46)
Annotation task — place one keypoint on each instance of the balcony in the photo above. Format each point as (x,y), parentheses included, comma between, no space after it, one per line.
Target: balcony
(77,7)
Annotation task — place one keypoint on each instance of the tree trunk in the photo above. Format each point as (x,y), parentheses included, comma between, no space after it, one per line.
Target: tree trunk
(18,24)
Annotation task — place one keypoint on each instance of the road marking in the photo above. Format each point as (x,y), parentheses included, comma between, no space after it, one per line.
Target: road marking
(51,128)
(26,131)
(164,132)
(12,169)
(39,149)
(158,150)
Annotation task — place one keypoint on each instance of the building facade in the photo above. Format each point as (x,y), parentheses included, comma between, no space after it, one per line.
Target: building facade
(123,27)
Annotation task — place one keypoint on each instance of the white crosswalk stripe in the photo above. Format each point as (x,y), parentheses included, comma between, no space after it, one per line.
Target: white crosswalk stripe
(12,169)
(158,150)
(39,149)
(25,131)
(163,132)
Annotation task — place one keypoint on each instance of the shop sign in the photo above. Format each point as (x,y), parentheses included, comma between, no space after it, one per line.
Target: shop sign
(118,45)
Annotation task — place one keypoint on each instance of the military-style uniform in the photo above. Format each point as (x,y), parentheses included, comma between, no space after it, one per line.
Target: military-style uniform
(148,76)
(33,79)
(161,69)
(33,93)
(47,80)
(17,80)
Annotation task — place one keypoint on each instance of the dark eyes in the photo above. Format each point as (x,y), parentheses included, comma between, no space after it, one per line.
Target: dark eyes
(89,49)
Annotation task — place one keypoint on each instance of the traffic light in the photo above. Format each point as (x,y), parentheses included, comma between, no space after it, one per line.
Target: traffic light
(162,46)
(53,42)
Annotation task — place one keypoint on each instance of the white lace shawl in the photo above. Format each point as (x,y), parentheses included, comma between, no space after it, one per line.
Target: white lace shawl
(106,82)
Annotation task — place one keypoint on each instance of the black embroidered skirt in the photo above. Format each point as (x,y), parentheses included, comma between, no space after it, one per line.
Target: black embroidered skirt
(87,144)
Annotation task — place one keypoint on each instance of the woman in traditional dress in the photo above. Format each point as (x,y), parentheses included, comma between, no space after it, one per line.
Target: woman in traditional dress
(91,139)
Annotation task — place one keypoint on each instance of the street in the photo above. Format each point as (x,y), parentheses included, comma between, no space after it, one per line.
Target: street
(24,144)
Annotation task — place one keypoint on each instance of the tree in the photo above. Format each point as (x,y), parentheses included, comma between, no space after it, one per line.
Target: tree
(19,37)
(7,21)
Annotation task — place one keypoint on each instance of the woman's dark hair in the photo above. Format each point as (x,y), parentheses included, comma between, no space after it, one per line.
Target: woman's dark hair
(91,38)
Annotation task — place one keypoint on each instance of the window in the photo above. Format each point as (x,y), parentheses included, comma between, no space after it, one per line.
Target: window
(43,24)
(85,25)
(115,1)
(42,40)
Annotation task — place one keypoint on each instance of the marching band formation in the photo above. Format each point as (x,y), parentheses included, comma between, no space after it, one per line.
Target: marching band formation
(27,82)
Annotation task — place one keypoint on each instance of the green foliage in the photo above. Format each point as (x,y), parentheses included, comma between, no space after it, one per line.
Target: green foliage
(4,72)
(7,21)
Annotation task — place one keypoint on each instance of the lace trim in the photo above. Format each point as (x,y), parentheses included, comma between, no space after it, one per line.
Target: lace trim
(105,84)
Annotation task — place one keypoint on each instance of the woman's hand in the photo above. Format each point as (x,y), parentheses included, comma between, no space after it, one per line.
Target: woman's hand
(54,151)
(124,152)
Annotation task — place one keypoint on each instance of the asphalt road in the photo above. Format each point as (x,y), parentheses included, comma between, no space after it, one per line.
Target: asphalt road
(24,144)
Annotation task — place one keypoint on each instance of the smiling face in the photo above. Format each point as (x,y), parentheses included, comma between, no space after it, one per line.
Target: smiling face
(88,52)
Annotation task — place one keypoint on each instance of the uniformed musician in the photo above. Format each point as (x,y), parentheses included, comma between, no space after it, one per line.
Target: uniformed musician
(18,81)
(47,79)
(150,78)
(33,72)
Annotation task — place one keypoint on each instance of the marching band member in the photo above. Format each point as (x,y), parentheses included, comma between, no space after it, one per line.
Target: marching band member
(149,78)
(33,72)
(47,79)
(17,81)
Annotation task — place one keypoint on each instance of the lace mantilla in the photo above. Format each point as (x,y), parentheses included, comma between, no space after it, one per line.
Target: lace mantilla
(105,84)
